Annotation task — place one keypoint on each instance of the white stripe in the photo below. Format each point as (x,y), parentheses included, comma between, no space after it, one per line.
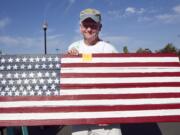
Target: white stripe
(90,102)
(120,69)
(121,59)
(120,90)
(78,115)
(118,80)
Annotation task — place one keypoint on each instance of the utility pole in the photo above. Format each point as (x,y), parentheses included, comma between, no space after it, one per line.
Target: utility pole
(45,26)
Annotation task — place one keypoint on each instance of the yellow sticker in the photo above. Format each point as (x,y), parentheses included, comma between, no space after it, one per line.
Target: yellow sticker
(87,57)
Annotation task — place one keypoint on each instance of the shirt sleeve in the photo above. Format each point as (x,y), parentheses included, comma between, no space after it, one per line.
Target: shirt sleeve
(75,45)
(110,48)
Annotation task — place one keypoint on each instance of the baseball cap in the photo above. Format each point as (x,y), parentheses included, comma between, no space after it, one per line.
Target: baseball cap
(90,13)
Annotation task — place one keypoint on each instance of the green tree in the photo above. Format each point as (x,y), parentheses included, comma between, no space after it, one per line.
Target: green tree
(141,50)
(125,49)
(169,48)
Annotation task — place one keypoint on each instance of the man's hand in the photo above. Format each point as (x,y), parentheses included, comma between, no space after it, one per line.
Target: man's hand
(73,51)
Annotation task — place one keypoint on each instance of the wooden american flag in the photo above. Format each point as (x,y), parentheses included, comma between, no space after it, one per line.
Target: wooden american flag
(100,88)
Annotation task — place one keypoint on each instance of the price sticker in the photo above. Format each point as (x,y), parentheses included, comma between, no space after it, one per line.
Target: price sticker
(87,57)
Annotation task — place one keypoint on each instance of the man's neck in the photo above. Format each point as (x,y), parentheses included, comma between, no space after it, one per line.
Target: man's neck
(89,43)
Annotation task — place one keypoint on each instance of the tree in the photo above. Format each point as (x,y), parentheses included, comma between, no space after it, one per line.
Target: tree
(141,50)
(169,48)
(125,49)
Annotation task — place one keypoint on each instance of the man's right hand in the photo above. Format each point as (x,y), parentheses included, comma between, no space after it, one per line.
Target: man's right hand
(73,51)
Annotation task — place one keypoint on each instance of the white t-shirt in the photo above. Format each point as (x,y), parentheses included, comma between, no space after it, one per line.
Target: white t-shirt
(99,47)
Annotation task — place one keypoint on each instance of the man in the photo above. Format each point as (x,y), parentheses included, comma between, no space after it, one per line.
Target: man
(90,26)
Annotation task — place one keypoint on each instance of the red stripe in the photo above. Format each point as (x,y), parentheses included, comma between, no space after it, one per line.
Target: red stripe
(104,75)
(88,108)
(124,55)
(132,64)
(90,121)
(119,85)
(90,97)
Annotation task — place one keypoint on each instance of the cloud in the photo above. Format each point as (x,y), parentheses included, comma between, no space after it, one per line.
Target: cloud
(173,17)
(133,10)
(129,11)
(168,18)
(70,3)
(176,9)
(4,22)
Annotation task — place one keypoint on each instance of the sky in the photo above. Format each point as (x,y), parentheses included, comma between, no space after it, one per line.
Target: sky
(133,23)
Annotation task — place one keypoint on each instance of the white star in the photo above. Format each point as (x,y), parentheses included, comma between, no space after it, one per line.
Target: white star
(3,60)
(13,88)
(29,87)
(10,93)
(45,87)
(3,93)
(36,87)
(2,67)
(7,88)
(32,93)
(53,87)
(24,59)
(8,67)
(54,74)
(31,75)
(56,81)
(23,75)
(3,81)
(50,80)
(19,81)
(57,65)
(15,67)
(43,66)
(56,92)
(26,81)
(37,66)
(1,75)
(24,93)
(31,59)
(43,59)
(11,82)
(39,93)
(17,59)
(47,74)
(22,66)
(41,81)
(56,59)
(10,60)
(34,81)
(29,66)
(16,75)
(21,88)
(48,93)
(39,74)
(51,65)
(37,59)
(17,93)
(8,75)
(49,59)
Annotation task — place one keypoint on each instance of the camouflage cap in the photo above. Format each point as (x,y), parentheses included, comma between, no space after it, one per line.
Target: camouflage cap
(90,13)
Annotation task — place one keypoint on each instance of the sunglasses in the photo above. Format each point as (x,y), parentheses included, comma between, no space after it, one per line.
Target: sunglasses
(90,25)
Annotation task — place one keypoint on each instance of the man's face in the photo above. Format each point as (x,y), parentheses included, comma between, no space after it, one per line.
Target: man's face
(90,29)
